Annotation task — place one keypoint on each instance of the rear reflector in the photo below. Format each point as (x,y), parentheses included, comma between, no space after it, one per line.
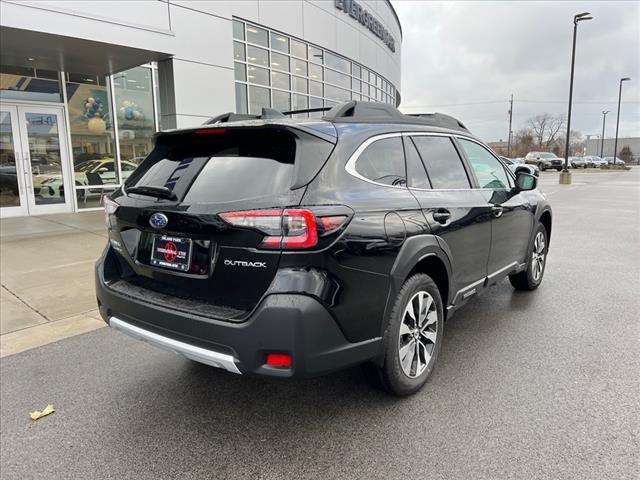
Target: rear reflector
(281,360)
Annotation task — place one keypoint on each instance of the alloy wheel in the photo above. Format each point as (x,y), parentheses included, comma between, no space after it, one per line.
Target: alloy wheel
(538,256)
(418,334)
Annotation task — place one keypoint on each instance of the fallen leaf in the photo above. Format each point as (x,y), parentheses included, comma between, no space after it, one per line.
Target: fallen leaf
(48,410)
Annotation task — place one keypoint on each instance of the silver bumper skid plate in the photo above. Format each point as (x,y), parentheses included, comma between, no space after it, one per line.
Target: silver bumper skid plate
(198,354)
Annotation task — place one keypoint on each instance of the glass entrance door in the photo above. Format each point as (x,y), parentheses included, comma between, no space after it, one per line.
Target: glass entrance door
(34,161)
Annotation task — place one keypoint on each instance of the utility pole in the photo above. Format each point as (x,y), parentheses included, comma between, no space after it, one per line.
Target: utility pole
(604,119)
(510,121)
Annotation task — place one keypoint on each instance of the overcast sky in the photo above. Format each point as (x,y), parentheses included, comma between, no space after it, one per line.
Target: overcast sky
(467,58)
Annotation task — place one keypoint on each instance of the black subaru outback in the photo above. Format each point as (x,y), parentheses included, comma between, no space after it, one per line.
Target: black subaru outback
(294,247)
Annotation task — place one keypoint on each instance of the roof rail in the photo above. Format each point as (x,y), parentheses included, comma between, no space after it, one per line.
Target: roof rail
(369,112)
(266,114)
(353,112)
(307,110)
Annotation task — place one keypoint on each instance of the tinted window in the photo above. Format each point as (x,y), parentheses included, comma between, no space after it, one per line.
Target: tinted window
(223,167)
(442,161)
(383,162)
(489,171)
(416,174)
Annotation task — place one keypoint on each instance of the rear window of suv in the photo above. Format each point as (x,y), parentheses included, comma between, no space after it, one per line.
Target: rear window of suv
(220,165)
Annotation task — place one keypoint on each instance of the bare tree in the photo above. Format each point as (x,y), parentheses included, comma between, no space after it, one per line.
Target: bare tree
(545,129)
(523,142)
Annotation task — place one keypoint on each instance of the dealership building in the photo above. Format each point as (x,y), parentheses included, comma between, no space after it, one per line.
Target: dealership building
(84,85)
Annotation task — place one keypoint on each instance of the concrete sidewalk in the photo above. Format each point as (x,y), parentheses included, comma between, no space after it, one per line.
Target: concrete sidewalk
(46,271)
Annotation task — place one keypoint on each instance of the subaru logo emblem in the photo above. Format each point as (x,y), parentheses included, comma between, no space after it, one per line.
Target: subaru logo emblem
(158,220)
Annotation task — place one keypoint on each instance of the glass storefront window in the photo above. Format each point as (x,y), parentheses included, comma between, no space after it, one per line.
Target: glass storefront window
(238,30)
(238,51)
(257,35)
(299,67)
(240,70)
(315,71)
(135,114)
(9,193)
(281,101)
(315,88)
(339,63)
(299,85)
(91,129)
(241,98)
(280,80)
(288,67)
(18,83)
(258,98)
(279,43)
(258,56)
(279,61)
(258,75)
(315,54)
(298,49)
(337,78)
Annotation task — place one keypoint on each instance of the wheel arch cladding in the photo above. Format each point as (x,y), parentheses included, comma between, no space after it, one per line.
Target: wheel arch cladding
(545,219)
(433,266)
(422,254)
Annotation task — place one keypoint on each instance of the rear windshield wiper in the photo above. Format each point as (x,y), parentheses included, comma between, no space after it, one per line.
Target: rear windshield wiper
(151,191)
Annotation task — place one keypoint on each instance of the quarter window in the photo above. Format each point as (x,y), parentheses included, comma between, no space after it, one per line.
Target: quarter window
(442,162)
(383,162)
(489,171)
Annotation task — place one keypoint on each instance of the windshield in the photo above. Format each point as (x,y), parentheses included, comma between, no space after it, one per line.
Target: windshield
(548,155)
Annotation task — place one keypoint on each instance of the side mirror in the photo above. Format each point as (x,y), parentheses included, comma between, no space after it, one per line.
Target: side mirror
(525,181)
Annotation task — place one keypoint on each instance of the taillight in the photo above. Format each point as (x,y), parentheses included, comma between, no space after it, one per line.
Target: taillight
(287,229)
(110,208)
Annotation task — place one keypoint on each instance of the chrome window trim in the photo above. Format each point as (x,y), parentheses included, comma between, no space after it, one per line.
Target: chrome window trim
(350,165)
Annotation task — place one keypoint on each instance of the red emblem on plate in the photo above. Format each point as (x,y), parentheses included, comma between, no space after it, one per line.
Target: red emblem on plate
(170,251)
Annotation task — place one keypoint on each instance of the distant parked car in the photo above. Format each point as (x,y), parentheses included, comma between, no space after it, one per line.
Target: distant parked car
(609,160)
(544,160)
(577,162)
(517,168)
(596,161)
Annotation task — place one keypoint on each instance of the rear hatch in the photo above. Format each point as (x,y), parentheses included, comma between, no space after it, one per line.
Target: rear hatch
(182,231)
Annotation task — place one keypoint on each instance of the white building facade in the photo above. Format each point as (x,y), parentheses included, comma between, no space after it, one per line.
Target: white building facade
(84,85)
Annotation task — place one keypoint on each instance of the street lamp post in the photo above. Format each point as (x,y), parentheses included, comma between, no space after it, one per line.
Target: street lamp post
(615,144)
(604,119)
(565,175)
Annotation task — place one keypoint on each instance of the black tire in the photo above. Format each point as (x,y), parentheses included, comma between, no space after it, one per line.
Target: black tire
(527,280)
(541,166)
(559,169)
(391,375)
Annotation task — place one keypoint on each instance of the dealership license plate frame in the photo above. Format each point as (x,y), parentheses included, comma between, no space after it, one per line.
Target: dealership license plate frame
(167,264)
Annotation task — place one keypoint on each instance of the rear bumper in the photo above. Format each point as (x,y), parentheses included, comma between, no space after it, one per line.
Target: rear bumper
(292,323)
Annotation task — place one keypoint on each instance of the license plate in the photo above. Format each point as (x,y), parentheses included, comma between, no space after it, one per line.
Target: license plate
(173,253)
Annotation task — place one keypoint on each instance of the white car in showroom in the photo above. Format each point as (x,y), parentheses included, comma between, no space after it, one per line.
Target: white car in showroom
(91,172)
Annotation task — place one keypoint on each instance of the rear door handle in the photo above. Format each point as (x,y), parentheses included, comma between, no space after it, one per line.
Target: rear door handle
(497,211)
(442,215)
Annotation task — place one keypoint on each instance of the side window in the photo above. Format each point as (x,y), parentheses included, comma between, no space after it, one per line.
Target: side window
(383,162)
(443,164)
(416,174)
(489,171)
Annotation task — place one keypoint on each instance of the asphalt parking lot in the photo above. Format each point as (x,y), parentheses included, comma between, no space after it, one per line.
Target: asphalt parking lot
(528,385)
